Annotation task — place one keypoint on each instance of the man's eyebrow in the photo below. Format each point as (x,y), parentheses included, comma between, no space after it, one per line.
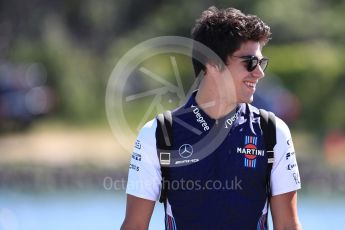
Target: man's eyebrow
(250,55)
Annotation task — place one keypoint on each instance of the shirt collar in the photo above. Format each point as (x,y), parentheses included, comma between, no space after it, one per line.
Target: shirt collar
(192,107)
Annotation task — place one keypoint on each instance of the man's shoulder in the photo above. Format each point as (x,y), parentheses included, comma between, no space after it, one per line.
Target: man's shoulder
(149,126)
(148,131)
(281,127)
(283,131)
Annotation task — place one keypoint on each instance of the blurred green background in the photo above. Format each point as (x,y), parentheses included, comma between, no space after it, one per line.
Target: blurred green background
(56,57)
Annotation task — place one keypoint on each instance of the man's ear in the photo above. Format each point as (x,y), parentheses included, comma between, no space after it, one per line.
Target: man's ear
(212,67)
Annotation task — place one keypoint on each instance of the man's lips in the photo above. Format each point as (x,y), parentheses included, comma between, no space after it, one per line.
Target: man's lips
(250,84)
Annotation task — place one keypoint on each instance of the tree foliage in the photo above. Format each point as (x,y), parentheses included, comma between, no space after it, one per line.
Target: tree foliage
(79,42)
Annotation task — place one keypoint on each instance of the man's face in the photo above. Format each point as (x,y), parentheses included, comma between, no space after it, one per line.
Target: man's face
(244,82)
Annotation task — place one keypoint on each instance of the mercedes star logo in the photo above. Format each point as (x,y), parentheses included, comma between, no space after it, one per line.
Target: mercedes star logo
(186,150)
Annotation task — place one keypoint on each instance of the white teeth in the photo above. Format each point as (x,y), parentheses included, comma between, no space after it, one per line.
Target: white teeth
(250,84)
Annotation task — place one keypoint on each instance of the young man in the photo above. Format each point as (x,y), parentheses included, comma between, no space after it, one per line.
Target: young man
(218,173)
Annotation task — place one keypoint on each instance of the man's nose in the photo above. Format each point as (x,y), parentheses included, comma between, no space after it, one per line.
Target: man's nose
(258,72)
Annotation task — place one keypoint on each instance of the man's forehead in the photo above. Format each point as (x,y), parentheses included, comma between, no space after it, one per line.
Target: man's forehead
(249,48)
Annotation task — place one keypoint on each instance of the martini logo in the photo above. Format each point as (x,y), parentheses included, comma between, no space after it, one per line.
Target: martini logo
(250,151)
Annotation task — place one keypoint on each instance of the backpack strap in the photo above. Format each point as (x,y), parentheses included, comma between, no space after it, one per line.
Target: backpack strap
(164,142)
(268,126)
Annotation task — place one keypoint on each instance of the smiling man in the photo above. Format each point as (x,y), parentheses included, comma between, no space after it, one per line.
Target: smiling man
(218,141)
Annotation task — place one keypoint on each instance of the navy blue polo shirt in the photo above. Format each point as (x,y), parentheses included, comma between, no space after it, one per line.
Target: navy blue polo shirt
(218,169)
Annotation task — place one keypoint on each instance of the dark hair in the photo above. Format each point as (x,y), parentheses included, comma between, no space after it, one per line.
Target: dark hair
(223,31)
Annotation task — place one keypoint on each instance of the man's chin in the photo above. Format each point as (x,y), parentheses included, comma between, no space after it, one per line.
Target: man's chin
(247,100)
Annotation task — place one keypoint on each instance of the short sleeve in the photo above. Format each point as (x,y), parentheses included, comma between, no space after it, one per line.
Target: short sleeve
(285,174)
(144,176)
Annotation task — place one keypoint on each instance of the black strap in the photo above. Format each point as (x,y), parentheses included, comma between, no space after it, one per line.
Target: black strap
(164,142)
(268,126)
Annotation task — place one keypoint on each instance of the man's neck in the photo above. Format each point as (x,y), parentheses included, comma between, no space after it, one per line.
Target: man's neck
(215,103)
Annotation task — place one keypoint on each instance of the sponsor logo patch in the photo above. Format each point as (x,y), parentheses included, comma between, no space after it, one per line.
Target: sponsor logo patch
(199,118)
(164,158)
(185,151)
(134,167)
(288,155)
(288,142)
(291,166)
(231,120)
(296,178)
(137,144)
(136,156)
(186,161)
(250,151)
